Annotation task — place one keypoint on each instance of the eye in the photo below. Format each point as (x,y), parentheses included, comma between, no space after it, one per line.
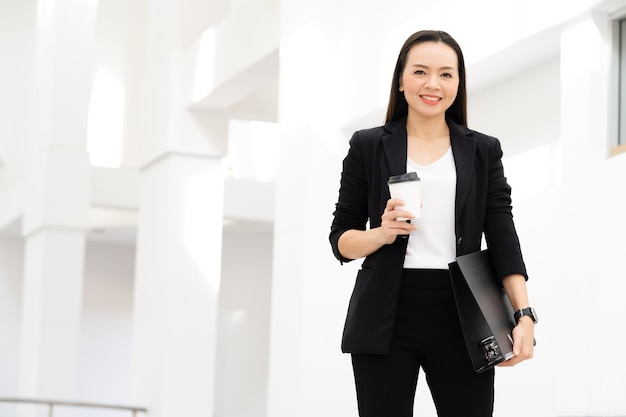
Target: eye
(420,72)
(446,75)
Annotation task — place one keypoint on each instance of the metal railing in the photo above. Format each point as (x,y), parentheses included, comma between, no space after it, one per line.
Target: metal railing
(54,403)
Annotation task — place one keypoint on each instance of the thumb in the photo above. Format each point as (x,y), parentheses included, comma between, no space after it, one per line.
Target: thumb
(517,341)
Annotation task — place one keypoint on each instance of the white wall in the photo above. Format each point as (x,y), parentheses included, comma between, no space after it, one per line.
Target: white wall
(530,137)
(106,328)
(16,37)
(11,252)
(243,321)
(17,23)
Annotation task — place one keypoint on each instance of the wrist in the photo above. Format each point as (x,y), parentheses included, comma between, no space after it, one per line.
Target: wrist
(379,236)
(527,313)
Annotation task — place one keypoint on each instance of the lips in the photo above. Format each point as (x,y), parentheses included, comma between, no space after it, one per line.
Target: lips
(430,99)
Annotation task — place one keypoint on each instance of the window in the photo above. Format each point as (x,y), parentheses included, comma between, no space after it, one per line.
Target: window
(618,79)
(622,83)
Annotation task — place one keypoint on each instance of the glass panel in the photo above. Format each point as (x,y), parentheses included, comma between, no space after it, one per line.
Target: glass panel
(622,84)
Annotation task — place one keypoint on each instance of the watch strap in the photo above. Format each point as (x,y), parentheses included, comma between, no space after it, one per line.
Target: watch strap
(528,311)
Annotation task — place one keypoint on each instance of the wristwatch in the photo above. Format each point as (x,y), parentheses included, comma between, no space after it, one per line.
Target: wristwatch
(529,311)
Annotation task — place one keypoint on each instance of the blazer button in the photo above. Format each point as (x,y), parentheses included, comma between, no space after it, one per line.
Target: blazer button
(458,241)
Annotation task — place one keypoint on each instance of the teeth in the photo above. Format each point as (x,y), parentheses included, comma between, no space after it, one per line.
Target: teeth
(430,98)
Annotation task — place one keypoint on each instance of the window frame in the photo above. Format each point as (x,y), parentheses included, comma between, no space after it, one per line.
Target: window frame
(619,80)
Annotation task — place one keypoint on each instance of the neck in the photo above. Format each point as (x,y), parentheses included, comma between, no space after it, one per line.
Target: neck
(427,128)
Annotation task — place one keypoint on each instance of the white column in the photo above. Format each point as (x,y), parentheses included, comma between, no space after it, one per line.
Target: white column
(179,240)
(54,226)
(583,367)
(177,285)
(57,201)
(50,314)
(308,374)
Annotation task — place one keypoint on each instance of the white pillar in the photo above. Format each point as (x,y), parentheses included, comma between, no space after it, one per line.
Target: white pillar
(50,314)
(308,374)
(54,226)
(585,75)
(178,258)
(57,201)
(177,285)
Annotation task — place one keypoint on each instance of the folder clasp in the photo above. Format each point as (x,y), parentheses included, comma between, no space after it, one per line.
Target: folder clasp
(491,349)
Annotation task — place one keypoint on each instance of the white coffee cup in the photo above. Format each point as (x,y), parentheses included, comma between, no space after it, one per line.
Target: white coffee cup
(406,187)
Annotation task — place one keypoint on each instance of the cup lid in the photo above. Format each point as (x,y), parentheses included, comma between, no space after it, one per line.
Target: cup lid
(409,176)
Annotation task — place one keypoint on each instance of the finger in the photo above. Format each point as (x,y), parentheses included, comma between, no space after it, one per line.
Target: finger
(517,341)
(517,346)
(511,362)
(506,363)
(400,215)
(392,203)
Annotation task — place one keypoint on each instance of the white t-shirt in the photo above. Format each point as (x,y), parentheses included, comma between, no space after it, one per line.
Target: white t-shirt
(432,245)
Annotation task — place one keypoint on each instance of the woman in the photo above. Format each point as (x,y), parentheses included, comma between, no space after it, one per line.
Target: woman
(402,315)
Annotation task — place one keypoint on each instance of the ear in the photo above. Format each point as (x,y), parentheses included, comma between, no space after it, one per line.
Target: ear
(401,89)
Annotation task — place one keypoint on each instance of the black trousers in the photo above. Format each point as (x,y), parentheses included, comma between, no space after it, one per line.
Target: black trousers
(427,335)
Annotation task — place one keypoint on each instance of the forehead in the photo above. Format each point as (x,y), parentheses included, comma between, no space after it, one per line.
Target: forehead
(432,54)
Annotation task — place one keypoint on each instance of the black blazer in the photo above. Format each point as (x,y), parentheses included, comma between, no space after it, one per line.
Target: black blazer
(483,205)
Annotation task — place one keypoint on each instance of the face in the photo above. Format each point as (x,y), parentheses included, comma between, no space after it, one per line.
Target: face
(430,80)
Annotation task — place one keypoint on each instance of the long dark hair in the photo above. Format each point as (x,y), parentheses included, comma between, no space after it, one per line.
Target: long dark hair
(398,107)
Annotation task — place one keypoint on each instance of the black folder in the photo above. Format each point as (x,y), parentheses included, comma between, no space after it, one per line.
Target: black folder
(484,309)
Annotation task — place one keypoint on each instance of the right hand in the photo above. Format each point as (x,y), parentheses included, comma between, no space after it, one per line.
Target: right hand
(390,227)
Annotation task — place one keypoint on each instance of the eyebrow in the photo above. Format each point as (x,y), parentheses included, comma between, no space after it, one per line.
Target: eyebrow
(425,66)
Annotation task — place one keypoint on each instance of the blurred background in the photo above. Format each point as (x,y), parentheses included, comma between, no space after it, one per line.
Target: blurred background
(168,173)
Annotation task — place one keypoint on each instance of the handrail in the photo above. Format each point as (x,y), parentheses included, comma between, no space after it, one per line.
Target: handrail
(52,403)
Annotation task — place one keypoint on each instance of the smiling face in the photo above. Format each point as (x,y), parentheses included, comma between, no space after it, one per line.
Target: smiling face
(430,80)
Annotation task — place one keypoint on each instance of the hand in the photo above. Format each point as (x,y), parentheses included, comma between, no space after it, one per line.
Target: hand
(390,227)
(523,342)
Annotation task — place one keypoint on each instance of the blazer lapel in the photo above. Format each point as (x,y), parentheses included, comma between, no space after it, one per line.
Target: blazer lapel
(394,144)
(464,151)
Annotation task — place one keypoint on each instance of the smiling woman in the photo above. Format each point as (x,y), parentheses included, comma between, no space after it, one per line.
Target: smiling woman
(402,317)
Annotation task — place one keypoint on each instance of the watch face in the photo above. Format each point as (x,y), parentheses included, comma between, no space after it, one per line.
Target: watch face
(533,314)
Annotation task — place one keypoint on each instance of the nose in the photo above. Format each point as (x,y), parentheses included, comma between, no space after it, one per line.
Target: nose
(432,82)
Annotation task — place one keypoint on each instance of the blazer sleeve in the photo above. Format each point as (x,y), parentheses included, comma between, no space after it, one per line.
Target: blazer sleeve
(499,228)
(351,208)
